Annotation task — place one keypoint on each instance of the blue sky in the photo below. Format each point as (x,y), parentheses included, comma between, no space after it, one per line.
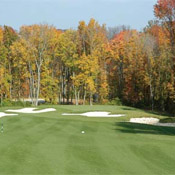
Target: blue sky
(66,14)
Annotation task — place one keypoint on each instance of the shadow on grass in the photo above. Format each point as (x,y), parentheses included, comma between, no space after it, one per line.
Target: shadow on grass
(159,113)
(129,109)
(134,128)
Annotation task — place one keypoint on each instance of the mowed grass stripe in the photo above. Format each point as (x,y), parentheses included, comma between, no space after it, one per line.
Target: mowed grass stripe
(115,149)
(153,146)
(49,143)
(32,148)
(82,152)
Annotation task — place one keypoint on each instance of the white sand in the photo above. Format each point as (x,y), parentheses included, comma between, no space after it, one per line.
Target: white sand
(151,121)
(144,120)
(97,114)
(2,114)
(31,110)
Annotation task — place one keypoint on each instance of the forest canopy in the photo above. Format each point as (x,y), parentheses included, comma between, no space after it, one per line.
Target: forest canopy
(93,63)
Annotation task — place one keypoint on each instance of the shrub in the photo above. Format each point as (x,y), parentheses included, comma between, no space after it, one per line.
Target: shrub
(115,101)
(15,103)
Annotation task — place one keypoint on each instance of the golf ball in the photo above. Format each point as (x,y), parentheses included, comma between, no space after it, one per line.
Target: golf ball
(82,132)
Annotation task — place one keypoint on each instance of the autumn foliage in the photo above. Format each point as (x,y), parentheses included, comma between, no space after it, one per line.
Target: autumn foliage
(85,66)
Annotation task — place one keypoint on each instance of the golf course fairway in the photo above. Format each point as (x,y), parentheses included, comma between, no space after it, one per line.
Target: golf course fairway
(49,143)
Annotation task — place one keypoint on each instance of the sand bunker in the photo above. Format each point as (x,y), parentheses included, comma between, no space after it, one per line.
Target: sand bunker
(145,120)
(2,114)
(97,114)
(31,110)
(151,121)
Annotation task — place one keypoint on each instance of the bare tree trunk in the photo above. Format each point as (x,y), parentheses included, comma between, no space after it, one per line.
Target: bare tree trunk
(31,85)
(10,90)
(71,98)
(63,89)
(151,95)
(10,72)
(84,98)
(30,90)
(68,85)
(90,99)
(38,85)
(60,87)
(76,97)
(59,98)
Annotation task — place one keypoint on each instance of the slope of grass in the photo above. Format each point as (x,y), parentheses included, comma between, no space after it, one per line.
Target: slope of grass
(49,143)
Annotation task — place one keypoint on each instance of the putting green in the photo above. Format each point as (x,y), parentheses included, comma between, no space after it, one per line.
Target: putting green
(50,143)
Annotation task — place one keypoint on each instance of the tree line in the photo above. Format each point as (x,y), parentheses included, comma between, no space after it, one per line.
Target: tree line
(92,63)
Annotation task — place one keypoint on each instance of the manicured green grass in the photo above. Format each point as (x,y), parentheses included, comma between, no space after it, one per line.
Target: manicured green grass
(49,143)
